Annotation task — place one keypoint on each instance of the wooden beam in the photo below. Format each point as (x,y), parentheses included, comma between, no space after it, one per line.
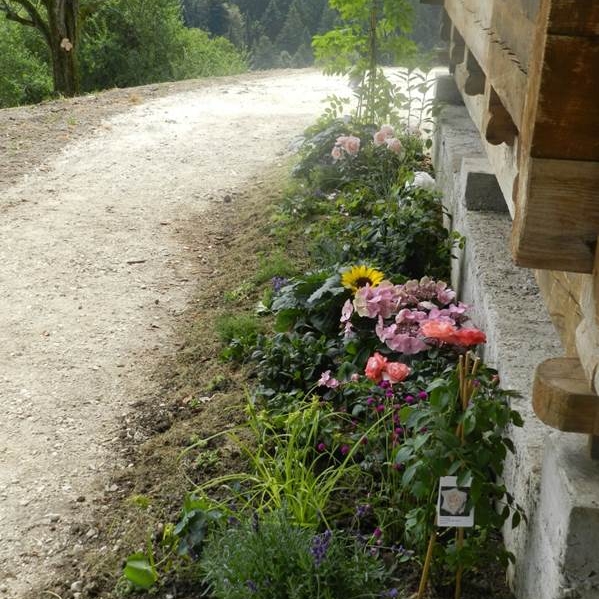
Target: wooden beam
(557,216)
(562,399)
(574,17)
(566,126)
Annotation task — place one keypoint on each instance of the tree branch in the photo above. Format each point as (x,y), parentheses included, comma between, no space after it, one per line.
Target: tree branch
(35,19)
(11,15)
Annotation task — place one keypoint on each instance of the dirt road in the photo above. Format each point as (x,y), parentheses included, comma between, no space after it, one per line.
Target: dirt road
(94,273)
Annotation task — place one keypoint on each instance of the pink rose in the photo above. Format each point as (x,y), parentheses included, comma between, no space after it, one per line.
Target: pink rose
(336,153)
(383,134)
(352,145)
(375,366)
(440,330)
(394,145)
(388,130)
(468,337)
(395,372)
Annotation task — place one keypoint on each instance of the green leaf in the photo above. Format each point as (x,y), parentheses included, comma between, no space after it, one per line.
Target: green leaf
(516,418)
(403,455)
(140,572)
(516,518)
(331,285)
(421,440)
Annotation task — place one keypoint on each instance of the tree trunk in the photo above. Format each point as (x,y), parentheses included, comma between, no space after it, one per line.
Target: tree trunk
(63,25)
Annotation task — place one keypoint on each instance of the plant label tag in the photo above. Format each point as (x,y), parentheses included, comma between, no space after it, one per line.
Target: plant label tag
(452,504)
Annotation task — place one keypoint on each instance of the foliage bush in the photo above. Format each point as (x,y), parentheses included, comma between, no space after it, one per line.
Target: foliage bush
(132,42)
(24,74)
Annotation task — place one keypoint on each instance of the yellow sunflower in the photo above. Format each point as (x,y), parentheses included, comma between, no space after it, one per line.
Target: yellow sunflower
(360,276)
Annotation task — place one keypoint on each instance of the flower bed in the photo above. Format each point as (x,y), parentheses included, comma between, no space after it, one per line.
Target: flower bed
(368,399)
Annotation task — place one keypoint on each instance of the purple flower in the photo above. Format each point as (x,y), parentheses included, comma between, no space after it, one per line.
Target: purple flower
(320,546)
(278,283)
(344,449)
(321,446)
(422,395)
(409,399)
(380,408)
(377,533)
(362,510)
(252,586)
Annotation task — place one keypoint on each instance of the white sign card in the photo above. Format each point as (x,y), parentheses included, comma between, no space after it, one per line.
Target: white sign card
(452,504)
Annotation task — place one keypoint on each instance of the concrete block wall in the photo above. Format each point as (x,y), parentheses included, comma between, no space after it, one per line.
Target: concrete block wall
(557,550)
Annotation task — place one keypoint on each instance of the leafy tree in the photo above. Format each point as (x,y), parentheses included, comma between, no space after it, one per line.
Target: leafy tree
(371,31)
(294,31)
(264,54)
(24,76)
(131,42)
(273,19)
(59,23)
(236,29)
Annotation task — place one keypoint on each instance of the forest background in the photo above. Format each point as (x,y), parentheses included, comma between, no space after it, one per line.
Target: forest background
(124,43)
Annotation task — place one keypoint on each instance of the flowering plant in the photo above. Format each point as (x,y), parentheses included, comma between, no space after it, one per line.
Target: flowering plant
(413,317)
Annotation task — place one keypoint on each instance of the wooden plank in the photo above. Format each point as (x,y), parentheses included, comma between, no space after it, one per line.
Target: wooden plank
(574,17)
(567,119)
(557,221)
(562,398)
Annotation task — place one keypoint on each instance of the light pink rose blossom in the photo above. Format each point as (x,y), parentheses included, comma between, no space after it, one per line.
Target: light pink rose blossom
(336,153)
(394,145)
(352,145)
(383,134)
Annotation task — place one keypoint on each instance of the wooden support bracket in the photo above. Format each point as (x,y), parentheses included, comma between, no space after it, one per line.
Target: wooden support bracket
(499,127)
(562,399)
(456,48)
(475,81)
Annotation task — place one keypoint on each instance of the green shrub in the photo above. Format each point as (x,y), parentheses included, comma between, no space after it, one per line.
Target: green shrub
(290,364)
(275,559)
(132,42)
(203,56)
(24,76)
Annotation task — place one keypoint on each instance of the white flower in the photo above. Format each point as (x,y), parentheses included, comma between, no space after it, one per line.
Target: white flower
(423,181)
(454,501)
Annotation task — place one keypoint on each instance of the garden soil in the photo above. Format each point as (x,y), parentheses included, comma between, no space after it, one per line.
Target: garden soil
(117,212)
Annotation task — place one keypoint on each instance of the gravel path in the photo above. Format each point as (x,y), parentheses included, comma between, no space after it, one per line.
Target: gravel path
(93,275)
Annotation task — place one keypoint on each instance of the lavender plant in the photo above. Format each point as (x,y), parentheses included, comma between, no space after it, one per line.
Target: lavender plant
(275,559)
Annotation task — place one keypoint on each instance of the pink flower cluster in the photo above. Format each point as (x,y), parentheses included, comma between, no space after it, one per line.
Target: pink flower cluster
(413,317)
(347,144)
(386,136)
